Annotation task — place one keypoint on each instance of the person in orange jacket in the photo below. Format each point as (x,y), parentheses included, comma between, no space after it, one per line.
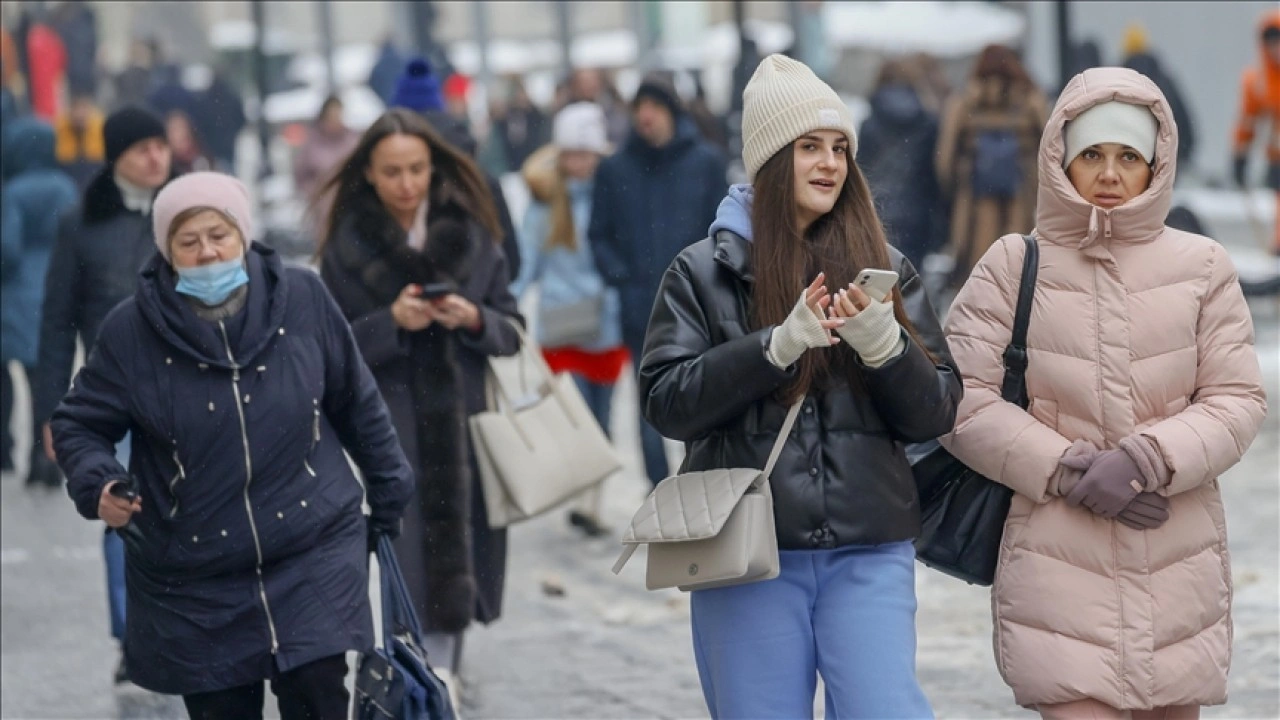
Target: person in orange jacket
(80,146)
(1260,102)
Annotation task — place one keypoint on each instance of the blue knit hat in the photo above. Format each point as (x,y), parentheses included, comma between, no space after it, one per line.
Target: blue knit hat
(418,89)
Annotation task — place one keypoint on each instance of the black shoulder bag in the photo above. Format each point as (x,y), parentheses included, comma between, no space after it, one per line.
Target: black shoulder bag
(963,513)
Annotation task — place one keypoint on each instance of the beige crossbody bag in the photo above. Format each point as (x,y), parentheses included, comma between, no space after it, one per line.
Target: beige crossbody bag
(709,529)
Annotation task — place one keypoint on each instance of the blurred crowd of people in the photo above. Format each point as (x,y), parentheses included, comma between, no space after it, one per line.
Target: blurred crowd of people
(52,71)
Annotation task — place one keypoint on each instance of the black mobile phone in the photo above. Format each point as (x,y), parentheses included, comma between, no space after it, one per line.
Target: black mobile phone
(125,490)
(436,290)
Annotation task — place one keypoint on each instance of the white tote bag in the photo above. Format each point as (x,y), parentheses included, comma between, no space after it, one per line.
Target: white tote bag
(537,445)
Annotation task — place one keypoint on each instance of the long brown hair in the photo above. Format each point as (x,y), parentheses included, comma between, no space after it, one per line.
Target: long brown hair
(1001,63)
(841,244)
(450,168)
(562,232)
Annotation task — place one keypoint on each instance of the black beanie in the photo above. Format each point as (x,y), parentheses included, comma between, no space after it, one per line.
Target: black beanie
(127,126)
(658,87)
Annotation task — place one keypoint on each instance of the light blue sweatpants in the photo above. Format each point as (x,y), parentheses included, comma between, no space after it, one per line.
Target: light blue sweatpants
(847,613)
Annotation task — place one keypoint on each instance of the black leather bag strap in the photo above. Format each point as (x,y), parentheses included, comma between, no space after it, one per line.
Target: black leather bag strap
(1014,388)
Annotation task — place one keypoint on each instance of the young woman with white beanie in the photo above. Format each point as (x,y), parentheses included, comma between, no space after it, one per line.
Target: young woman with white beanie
(1112,597)
(745,324)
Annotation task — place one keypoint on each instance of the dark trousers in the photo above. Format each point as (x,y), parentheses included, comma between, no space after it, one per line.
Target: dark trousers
(7,401)
(655,455)
(599,399)
(315,691)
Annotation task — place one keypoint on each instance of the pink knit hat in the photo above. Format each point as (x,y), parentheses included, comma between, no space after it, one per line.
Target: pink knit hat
(216,191)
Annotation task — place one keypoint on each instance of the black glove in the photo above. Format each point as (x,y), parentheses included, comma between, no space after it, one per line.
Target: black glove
(379,527)
(1147,511)
(1239,169)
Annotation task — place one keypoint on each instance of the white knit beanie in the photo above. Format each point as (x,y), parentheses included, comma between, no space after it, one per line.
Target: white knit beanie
(1112,122)
(782,101)
(581,126)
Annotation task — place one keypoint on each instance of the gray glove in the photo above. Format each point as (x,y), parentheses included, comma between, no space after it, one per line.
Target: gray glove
(874,333)
(801,331)
(1110,484)
(1148,511)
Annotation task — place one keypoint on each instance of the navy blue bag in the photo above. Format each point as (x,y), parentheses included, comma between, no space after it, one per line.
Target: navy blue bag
(394,682)
(996,172)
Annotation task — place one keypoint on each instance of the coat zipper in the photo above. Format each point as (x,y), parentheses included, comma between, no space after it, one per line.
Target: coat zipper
(315,436)
(173,484)
(248,469)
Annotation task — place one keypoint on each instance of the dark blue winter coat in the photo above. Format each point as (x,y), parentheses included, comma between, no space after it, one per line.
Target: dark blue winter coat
(36,194)
(896,146)
(250,548)
(649,204)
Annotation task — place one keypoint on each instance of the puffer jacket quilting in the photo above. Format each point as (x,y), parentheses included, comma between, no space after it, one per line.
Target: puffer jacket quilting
(1136,328)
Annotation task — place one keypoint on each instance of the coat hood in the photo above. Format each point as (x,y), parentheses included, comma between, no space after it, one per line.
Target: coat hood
(173,319)
(734,213)
(27,145)
(1064,217)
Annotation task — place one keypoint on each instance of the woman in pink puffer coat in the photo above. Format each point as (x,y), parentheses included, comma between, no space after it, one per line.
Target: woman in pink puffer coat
(1113,591)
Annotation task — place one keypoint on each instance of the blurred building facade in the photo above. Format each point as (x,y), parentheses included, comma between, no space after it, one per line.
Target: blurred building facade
(1204,43)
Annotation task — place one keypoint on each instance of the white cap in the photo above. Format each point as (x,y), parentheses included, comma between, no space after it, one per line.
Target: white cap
(1112,122)
(783,101)
(581,126)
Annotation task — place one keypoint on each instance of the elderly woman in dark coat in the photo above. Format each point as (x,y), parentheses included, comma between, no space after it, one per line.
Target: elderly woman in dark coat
(241,385)
(411,255)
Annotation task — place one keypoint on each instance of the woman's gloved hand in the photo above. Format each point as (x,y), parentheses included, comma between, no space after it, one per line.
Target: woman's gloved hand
(806,327)
(377,527)
(1147,511)
(1112,481)
(1072,466)
(870,327)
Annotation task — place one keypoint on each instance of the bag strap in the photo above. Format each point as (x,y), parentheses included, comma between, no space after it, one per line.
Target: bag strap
(397,605)
(783,434)
(1014,387)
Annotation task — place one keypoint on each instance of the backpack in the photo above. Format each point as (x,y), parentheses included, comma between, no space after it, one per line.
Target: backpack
(996,171)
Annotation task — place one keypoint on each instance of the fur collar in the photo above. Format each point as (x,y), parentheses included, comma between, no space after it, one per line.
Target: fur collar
(371,245)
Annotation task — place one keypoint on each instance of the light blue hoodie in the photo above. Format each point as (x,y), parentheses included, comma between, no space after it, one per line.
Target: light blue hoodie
(734,213)
(566,276)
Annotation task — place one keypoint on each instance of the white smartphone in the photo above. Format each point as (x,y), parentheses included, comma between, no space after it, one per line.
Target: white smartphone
(877,284)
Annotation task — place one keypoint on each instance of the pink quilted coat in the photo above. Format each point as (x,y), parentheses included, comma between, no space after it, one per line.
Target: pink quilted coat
(1137,328)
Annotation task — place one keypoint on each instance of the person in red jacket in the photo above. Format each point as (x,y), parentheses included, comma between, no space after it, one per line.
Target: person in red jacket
(47,58)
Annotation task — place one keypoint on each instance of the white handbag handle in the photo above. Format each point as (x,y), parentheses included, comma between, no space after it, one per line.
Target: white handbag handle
(494,386)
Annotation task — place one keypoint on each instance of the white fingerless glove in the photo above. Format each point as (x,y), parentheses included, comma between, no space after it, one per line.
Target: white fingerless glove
(800,331)
(874,334)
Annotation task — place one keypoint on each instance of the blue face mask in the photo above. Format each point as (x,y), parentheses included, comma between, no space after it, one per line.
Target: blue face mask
(212,284)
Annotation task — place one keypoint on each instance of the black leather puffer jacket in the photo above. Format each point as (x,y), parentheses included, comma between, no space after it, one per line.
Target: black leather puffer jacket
(843,478)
